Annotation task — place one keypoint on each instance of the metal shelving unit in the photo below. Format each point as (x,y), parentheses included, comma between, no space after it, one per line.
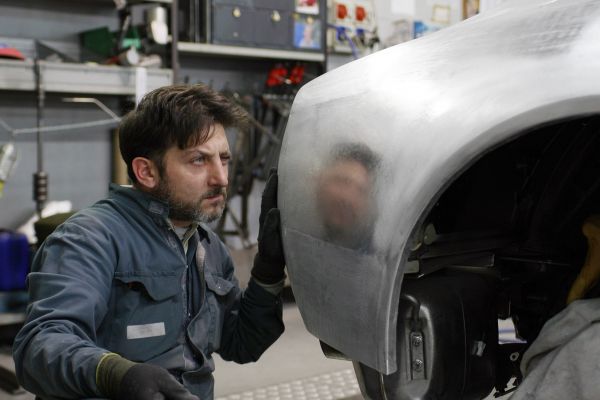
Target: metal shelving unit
(79,78)
(150,1)
(248,52)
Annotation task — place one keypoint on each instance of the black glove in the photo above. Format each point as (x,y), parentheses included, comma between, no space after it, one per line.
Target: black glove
(269,261)
(121,379)
(151,382)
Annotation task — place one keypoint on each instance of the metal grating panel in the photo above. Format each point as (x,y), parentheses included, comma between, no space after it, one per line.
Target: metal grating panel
(330,386)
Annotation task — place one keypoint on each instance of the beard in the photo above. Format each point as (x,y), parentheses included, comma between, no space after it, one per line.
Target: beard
(183,210)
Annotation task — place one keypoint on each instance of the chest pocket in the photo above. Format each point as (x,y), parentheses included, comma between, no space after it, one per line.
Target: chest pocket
(148,314)
(206,329)
(220,286)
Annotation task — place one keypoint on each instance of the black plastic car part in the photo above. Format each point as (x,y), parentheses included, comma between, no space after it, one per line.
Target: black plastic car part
(447,340)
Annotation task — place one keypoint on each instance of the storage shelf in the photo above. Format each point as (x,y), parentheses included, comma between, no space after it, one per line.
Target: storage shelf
(248,52)
(131,2)
(149,1)
(78,78)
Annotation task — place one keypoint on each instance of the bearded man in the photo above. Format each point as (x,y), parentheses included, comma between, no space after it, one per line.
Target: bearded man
(129,298)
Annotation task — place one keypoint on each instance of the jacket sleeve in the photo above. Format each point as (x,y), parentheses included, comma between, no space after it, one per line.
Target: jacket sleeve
(69,287)
(252,323)
(562,362)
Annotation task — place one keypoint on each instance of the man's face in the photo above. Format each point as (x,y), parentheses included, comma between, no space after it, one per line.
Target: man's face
(194,180)
(343,196)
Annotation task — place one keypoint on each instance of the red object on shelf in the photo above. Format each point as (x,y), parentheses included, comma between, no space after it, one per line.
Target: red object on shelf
(342,11)
(297,74)
(10,52)
(361,13)
(276,76)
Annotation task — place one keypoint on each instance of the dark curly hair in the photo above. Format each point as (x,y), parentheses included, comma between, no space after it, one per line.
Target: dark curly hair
(180,115)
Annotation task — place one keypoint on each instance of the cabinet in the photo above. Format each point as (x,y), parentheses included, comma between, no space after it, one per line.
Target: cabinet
(261,29)
(252,23)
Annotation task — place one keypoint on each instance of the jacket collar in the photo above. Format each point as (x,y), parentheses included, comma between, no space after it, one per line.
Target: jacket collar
(156,208)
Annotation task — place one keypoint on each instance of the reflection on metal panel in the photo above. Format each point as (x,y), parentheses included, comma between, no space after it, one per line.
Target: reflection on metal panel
(327,299)
(371,145)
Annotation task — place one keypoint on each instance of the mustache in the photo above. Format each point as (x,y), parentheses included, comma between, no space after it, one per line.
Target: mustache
(215,192)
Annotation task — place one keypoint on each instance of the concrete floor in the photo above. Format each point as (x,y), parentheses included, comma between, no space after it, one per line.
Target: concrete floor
(296,356)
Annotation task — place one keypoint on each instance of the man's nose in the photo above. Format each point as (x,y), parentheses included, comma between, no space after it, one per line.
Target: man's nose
(218,174)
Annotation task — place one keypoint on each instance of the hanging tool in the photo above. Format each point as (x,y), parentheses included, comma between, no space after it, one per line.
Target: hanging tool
(8,159)
(40,178)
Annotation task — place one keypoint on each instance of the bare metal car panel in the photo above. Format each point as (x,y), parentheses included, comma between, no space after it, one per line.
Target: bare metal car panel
(426,109)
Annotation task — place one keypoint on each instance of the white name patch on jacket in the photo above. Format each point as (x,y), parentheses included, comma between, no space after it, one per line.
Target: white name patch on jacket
(145,331)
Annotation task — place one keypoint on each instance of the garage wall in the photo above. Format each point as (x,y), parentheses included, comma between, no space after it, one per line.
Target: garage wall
(79,161)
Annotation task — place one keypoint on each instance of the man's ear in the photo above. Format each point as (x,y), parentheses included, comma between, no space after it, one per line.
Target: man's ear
(146,172)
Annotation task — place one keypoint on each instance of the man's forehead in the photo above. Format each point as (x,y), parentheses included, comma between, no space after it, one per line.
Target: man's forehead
(207,148)
(214,133)
(215,141)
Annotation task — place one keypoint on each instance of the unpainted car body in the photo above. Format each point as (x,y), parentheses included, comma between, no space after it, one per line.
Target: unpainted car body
(482,146)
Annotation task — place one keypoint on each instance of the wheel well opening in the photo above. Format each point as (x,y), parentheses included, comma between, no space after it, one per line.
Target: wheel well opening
(537,190)
(541,186)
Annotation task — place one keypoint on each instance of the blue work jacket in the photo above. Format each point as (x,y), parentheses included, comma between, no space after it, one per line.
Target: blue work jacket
(115,278)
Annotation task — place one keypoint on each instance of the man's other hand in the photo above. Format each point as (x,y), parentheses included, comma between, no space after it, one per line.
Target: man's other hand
(269,263)
(150,382)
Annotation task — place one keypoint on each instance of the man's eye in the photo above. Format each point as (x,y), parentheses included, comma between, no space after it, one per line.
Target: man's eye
(198,160)
(225,159)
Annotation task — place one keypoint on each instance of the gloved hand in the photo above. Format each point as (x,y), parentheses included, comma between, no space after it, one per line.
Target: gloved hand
(121,379)
(151,382)
(269,261)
